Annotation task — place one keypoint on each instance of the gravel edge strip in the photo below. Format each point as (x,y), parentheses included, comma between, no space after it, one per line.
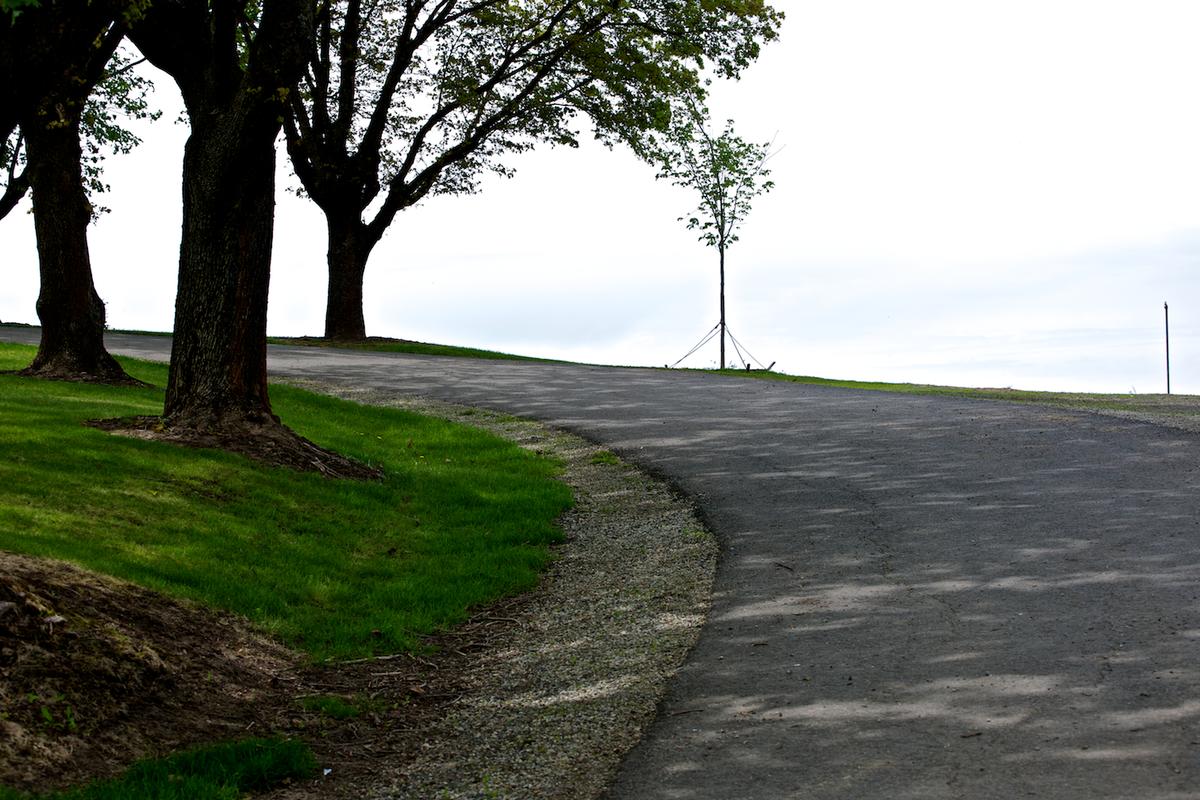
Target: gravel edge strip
(1180,422)
(550,710)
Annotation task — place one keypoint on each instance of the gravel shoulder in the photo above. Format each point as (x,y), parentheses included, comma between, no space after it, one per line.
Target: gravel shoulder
(1186,418)
(552,704)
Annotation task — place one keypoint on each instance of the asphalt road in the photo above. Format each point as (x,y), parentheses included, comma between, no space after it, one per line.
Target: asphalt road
(920,597)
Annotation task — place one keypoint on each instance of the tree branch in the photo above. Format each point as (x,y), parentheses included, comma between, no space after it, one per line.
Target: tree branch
(16,184)
(348,72)
(170,35)
(401,194)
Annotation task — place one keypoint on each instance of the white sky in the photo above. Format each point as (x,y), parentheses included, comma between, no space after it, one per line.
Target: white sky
(974,193)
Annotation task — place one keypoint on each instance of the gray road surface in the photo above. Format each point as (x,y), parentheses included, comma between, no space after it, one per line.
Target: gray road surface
(920,597)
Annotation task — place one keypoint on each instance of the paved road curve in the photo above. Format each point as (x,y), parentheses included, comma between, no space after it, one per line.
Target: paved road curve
(919,597)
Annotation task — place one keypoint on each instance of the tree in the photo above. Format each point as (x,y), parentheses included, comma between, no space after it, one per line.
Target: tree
(234,66)
(725,170)
(21,73)
(43,44)
(66,135)
(407,99)
(120,95)
(235,62)
(54,56)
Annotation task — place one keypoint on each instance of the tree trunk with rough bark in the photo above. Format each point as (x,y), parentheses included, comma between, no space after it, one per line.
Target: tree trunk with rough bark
(71,313)
(218,374)
(234,93)
(51,57)
(235,96)
(349,248)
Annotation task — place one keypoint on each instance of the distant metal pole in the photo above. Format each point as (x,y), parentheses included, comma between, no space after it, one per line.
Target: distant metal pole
(1167,330)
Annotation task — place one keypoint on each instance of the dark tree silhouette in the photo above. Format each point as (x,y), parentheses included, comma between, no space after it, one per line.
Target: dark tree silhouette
(14,179)
(234,67)
(407,99)
(235,63)
(53,57)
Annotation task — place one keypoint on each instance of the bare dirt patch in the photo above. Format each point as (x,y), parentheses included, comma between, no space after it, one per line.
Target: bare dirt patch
(96,673)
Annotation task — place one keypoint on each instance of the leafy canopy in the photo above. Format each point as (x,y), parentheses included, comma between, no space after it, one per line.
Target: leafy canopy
(120,96)
(725,170)
(62,63)
(405,98)
(14,7)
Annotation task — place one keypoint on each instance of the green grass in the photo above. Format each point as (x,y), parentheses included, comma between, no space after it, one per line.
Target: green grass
(332,706)
(337,568)
(131,332)
(604,457)
(1173,405)
(404,346)
(220,772)
(378,345)
(1115,402)
(1156,403)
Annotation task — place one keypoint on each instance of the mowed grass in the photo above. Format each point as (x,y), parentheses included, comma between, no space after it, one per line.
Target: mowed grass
(219,772)
(375,344)
(405,346)
(337,568)
(1175,404)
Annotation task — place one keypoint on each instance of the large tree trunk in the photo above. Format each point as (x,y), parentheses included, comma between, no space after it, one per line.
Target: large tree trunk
(349,249)
(72,314)
(218,376)
(234,93)
(51,56)
(217,385)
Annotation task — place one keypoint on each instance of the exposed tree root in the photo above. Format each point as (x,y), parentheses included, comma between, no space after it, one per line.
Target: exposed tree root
(78,365)
(270,443)
(55,371)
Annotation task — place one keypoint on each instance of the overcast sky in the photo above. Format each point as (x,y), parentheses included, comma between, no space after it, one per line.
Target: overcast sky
(972,193)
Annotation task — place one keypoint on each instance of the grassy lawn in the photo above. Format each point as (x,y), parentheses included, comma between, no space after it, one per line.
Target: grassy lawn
(339,569)
(221,772)
(377,345)
(404,346)
(1169,405)
(1155,403)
